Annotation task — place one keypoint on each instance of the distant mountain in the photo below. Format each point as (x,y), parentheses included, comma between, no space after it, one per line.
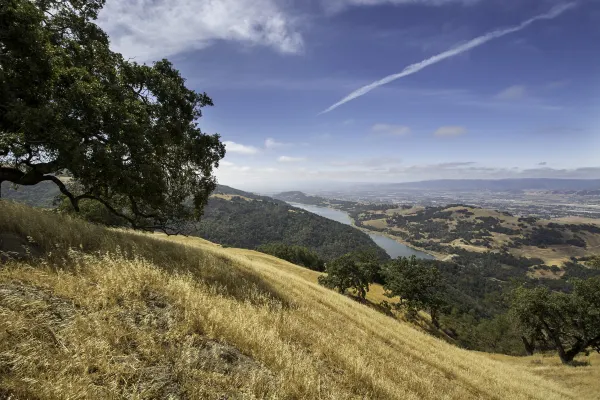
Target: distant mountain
(40,195)
(495,184)
(300,197)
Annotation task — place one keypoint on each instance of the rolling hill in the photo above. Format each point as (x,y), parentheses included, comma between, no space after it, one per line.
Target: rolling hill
(445,229)
(241,219)
(120,314)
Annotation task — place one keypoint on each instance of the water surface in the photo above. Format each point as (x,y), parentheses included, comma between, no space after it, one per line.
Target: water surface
(392,247)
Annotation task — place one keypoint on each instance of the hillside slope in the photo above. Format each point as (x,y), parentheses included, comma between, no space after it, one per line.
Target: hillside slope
(122,314)
(240,219)
(236,218)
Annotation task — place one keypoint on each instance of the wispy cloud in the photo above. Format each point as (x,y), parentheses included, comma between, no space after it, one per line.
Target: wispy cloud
(515,92)
(450,131)
(373,162)
(148,30)
(557,84)
(233,147)
(414,68)
(392,130)
(271,143)
(287,159)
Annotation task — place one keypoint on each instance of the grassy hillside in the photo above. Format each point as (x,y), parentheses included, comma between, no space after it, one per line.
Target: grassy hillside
(104,313)
(236,218)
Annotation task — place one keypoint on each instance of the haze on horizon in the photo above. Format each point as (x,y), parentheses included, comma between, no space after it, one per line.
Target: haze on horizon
(447,89)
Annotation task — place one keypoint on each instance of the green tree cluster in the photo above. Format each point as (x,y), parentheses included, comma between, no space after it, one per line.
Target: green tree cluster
(419,285)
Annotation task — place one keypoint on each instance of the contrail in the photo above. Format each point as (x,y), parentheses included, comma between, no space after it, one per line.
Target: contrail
(413,68)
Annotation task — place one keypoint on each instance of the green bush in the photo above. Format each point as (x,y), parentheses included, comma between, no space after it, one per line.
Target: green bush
(295,254)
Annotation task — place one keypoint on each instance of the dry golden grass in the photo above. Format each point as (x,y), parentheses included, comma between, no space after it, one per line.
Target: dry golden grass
(376,223)
(576,220)
(552,255)
(584,380)
(230,196)
(109,314)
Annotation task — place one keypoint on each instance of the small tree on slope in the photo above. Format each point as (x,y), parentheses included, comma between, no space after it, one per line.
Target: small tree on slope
(570,321)
(126,132)
(419,286)
(355,270)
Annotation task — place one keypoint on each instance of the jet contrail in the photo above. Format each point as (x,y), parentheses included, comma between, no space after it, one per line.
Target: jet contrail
(413,68)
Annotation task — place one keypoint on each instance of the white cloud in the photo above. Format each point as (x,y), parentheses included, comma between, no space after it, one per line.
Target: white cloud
(394,130)
(287,159)
(233,147)
(448,131)
(294,176)
(271,143)
(150,30)
(515,92)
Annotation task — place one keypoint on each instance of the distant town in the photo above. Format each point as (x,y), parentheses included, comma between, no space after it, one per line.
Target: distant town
(538,203)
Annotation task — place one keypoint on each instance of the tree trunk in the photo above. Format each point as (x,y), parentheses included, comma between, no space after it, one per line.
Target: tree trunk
(572,353)
(529,345)
(434,318)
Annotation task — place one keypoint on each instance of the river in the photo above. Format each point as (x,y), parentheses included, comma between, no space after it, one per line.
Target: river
(392,247)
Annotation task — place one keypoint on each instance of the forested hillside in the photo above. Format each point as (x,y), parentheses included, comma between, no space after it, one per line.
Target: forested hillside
(241,219)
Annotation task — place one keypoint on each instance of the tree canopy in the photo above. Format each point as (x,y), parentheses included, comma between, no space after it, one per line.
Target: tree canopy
(126,132)
(418,285)
(355,270)
(570,321)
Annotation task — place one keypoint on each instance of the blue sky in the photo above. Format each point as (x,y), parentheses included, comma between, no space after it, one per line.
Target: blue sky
(523,104)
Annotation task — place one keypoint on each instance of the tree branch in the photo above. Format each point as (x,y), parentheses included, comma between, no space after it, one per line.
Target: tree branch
(109,208)
(32,178)
(136,210)
(63,189)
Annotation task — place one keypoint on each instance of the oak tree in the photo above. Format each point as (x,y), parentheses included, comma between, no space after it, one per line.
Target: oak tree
(570,321)
(126,132)
(418,285)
